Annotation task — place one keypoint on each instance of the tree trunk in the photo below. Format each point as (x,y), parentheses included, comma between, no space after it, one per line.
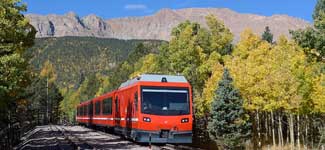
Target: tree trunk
(273,133)
(280,131)
(306,133)
(47,100)
(292,140)
(258,129)
(266,125)
(288,132)
(298,132)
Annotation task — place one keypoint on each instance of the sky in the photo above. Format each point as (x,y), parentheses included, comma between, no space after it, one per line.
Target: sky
(124,8)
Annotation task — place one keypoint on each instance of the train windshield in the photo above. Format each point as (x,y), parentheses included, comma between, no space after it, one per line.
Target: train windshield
(165,101)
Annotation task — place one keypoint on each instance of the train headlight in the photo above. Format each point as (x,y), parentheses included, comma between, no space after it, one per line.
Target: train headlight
(146,119)
(184,120)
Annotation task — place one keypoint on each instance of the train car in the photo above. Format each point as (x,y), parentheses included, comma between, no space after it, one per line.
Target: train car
(149,108)
(103,110)
(84,113)
(97,111)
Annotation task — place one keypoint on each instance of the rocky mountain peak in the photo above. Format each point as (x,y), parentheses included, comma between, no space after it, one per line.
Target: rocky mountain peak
(94,23)
(159,25)
(71,14)
(165,11)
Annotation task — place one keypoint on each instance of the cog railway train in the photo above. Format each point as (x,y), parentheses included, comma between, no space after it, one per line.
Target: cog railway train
(148,108)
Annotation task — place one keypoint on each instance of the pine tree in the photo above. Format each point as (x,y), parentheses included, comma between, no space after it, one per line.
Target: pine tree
(267,35)
(312,39)
(228,126)
(319,8)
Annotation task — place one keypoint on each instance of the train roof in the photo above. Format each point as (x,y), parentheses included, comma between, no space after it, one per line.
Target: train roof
(155,78)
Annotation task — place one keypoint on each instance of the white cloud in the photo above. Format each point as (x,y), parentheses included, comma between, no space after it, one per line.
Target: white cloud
(135,7)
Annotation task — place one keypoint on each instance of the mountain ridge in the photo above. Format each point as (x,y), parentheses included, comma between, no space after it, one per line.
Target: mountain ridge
(158,26)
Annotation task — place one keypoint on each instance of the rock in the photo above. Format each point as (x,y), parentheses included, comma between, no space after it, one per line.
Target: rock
(159,25)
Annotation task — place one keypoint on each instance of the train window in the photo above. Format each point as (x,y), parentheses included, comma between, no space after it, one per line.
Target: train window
(136,101)
(97,108)
(165,101)
(78,111)
(107,106)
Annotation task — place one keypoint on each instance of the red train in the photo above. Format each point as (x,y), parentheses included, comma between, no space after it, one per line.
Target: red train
(149,108)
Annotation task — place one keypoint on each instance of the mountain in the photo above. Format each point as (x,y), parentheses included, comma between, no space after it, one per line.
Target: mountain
(77,57)
(159,25)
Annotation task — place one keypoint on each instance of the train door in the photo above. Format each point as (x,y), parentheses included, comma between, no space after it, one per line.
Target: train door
(90,113)
(128,117)
(117,113)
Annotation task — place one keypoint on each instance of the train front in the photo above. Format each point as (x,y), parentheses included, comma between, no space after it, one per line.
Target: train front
(166,111)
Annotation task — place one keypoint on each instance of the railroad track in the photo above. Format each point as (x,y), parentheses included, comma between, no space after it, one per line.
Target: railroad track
(57,140)
(76,142)
(77,137)
(83,144)
(177,147)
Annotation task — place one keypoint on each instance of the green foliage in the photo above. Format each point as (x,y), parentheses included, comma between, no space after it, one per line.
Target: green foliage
(16,34)
(77,57)
(139,51)
(40,102)
(103,75)
(313,42)
(204,101)
(221,37)
(267,35)
(190,48)
(228,125)
(185,55)
(194,52)
(146,64)
(313,39)
(318,14)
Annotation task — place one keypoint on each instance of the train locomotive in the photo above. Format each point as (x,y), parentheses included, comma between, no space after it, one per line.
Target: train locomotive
(148,108)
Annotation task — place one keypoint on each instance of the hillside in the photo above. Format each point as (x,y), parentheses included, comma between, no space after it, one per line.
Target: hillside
(159,25)
(77,57)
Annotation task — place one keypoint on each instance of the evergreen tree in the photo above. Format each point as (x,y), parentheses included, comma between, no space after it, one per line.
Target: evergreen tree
(44,101)
(229,125)
(139,51)
(16,35)
(313,39)
(267,35)
(320,7)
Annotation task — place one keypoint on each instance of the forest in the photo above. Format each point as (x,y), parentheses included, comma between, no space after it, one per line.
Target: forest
(257,93)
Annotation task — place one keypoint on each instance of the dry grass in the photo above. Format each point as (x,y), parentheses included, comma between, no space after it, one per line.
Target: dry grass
(288,147)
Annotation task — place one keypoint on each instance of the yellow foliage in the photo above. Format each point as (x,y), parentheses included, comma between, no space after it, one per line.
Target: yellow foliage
(203,102)
(221,36)
(318,94)
(48,71)
(104,83)
(267,76)
(147,64)
(248,41)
